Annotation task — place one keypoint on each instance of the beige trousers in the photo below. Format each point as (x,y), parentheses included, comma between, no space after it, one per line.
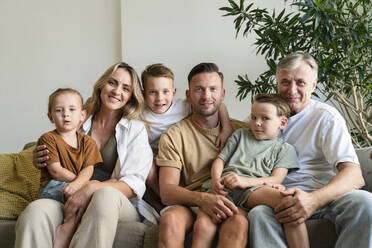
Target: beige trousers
(37,224)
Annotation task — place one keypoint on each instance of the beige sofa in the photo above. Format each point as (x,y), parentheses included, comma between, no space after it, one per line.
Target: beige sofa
(143,234)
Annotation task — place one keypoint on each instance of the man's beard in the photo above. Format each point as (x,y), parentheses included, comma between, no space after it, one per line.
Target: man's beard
(209,112)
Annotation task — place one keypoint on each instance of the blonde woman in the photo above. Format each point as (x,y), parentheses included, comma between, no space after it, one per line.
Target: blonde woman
(117,184)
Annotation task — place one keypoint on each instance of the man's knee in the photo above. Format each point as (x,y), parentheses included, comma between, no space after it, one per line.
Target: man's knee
(359,201)
(169,222)
(175,220)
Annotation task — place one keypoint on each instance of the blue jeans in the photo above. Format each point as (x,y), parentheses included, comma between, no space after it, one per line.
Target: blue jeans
(351,213)
(53,191)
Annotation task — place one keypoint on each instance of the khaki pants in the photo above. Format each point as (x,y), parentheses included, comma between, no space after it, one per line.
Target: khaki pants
(37,224)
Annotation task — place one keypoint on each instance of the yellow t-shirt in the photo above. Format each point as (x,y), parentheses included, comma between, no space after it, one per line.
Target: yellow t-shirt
(191,149)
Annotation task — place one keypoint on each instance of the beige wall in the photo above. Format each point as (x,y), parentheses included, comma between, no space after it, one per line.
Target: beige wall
(181,34)
(46,44)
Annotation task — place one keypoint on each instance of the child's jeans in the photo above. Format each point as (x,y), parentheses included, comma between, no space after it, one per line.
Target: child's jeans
(53,191)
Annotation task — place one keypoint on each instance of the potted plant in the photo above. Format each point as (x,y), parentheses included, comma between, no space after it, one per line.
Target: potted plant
(337,33)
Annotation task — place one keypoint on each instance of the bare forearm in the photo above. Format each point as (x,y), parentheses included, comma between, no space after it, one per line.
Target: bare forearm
(84,175)
(175,195)
(59,173)
(224,117)
(217,168)
(251,182)
(348,178)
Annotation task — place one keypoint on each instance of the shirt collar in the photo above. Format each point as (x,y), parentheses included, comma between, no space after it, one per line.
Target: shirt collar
(124,123)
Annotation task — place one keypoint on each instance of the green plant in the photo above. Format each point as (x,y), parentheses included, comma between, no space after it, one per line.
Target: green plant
(338,35)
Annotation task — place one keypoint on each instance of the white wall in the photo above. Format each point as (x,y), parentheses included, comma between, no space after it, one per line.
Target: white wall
(181,34)
(46,44)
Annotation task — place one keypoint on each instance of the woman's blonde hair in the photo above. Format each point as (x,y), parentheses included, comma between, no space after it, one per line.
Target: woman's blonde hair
(133,108)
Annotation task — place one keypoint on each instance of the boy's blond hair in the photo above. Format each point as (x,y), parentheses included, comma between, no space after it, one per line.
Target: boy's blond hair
(156,70)
(282,107)
(59,92)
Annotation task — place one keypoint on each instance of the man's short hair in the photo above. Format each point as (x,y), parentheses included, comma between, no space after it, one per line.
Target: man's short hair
(293,60)
(204,68)
(282,107)
(156,70)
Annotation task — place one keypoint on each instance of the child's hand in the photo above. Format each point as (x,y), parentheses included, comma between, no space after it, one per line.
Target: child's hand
(279,187)
(71,188)
(232,180)
(222,137)
(218,187)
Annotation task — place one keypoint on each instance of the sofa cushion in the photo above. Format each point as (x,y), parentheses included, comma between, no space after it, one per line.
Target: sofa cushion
(19,183)
(7,233)
(129,234)
(365,160)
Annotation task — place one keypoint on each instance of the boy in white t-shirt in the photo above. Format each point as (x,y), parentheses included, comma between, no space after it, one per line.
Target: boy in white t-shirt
(163,111)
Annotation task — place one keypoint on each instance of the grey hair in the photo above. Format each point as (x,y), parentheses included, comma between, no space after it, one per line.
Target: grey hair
(293,60)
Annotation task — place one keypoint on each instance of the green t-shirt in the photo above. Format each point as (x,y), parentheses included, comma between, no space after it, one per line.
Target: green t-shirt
(248,157)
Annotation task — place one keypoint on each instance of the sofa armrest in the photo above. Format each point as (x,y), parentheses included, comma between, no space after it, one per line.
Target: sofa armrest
(365,160)
(28,145)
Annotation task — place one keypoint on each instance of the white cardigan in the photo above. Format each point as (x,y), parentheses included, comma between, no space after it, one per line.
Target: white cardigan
(134,154)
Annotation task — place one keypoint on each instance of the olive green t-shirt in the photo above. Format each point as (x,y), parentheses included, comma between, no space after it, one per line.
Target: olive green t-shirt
(248,157)
(191,149)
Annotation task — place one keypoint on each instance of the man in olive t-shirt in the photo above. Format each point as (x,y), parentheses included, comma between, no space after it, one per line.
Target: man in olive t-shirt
(186,152)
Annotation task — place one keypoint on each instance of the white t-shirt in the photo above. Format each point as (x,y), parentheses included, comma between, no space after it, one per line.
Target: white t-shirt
(322,140)
(158,123)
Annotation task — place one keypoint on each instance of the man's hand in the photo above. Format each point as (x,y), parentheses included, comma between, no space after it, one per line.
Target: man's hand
(217,207)
(232,180)
(39,156)
(218,188)
(296,206)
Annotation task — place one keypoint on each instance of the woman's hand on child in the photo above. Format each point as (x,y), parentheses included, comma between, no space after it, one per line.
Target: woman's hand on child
(39,156)
(218,187)
(232,180)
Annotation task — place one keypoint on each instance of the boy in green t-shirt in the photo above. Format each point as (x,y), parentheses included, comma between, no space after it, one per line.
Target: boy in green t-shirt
(251,158)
